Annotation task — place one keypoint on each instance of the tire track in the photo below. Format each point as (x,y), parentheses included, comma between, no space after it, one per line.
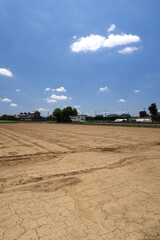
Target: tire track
(30,183)
(27,140)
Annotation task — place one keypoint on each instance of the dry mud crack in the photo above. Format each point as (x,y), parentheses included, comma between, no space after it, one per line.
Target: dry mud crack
(79,182)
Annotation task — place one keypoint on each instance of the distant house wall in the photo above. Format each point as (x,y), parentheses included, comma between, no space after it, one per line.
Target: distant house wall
(120,120)
(143,120)
(35,115)
(81,117)
(29,115)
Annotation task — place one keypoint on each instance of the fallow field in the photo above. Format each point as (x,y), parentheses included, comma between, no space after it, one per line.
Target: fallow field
(79,182)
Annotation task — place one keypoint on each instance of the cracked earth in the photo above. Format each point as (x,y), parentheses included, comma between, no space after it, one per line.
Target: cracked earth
(79,182)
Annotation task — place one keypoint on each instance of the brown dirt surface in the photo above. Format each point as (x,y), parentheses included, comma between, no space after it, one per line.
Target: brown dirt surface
(79,182)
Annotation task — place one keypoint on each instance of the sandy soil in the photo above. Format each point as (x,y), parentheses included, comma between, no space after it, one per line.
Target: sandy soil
(79,182)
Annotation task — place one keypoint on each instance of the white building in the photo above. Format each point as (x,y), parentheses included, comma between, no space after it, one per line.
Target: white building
(146,120)
(81,118)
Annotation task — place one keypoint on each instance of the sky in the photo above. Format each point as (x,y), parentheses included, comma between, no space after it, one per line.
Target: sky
(99,56)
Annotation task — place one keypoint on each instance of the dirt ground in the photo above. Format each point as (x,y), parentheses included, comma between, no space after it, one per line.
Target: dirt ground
(71,182)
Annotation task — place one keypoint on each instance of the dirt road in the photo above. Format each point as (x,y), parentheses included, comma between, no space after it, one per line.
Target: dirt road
(71,182)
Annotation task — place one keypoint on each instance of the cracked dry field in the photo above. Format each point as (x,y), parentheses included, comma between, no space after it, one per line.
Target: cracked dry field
(71,182)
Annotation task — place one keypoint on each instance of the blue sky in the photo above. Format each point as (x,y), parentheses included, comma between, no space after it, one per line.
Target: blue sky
(95,55)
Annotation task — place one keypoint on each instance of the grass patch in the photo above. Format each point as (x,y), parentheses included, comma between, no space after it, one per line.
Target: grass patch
(139,125)
(8,121)
(142,125)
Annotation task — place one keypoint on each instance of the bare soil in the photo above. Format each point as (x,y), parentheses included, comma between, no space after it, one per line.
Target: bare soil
(71,182)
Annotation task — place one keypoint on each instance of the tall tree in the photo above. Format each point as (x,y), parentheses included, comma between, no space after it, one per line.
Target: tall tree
(75,112)
(68,112)
(153,109)
(65,114)
(143,114)
(58,114)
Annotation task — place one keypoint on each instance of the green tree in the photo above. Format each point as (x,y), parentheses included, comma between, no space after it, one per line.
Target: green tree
(57,113)
(75,112)
(67,113)
(153,109)
(143,114)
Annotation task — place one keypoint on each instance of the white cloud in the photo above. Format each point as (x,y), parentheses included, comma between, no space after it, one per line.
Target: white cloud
(55,98)
(77,106)
(137,91)
(48,89)
(13,105)
(128,50)
(49,100)
(61,89)
(117,40)
(89,43)
(6,72)
(112,28)
(58,98)
(122,100)
(18,90)
(79,112)
(43,110)
(95,42)
(6,100)
(103,89)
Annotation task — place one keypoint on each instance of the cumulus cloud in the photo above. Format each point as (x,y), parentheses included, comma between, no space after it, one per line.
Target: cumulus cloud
(122,100)
(6,100)
(61,89)
(89,43)
(48,89)
(49,100)
(18,90)
(128,50)
(77,106)
(117,40)
(137,91)
(13,105)
(43,110)
(58,98)
(6,72)
(95,42)
(103,89)
(54,98)
(112,28)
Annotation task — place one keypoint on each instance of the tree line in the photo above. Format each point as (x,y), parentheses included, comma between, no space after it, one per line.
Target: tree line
(65,114)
